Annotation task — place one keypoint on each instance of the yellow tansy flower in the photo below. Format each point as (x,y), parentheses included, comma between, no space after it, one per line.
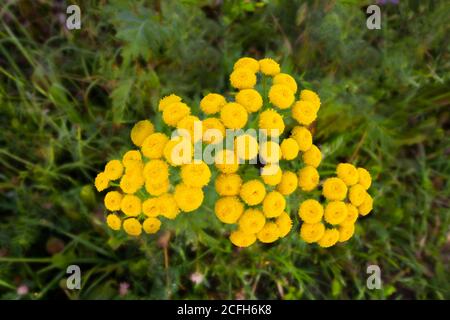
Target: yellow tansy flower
(289,149)
(334,189)
(153,145)
(250,99)
(228,184)
(312,232)
(346,232)
(114,169)
(269,152)
(164,102)
(195,174)
(330,237)
(357,194)
(212,103)
(151,225)
(281,96)
(284,224)
(229,209)
(335,212)
(156,170)
(101,181)
(304,112)
(273,204)
(234,116)
(178,151)
(311,211)
(246,147)
(269,233)
(243,78)
(191,125)
(271,121)
(113,200)
(242,239)
(168,206)
(151,207)
(140,131)
(113,221)
(303,137)
(288,183)
(226,161)
(269,67)
(253,192)
(213,136)
(175,112)
(188,198)
(364,178)
(132,227)
(248,63)
(131,205)
(271,174)
(287,80)
(352,214)
(312,156)
(252,221)
(308,178)
(367,205)
(310,96)
(157,188)
(131,157)
(347,173)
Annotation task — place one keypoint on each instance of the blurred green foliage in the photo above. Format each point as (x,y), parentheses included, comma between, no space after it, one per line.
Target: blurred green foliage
(68,100)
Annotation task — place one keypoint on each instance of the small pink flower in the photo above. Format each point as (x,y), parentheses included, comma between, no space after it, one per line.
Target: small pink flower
(197,277)
(22,290)
(123,288)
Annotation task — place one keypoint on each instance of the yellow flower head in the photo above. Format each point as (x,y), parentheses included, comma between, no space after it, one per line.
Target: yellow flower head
(213,136)
(269,233)
(304,112)
(228,184)
(191,124)
(229,209)
(212,103)
(156,170)
(330,237)
(156,188)
(347,173)
(334,189)
(312,156)
(271,174)
(286,80)
(131,205)
(303,137)
(252,221)
(269,67)
(175,112)
(101,181)
(269,152)
(113,200)
(312,232)
(243,78)
(352,215)
(226,161)
(357,194)
(271,121)
(246,146)
(364,178)
(131,183)
(308,178)
(178,150)
(288,183)
(113,221)
(289,149)
(250,99)
(131,157)
(335,212)
(311,96)
(367,205)
(281,96)
(151,225)
(188,198)
(274,204)
(346,232)
(242,239)
(132,227)
(311,211)
(253,192)
(153,145)
(140,131)
(284,224)
(164,102)
(248,63)
(168,206)
(234,116)
(151,207)
(195,174)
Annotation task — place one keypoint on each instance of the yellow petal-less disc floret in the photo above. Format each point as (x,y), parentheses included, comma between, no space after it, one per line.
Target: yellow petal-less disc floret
(252,221)
(151,207)
(226,161)
(241,239)
(253,192)
(346,232)
(248,63)
(131,183)
(156,170)
(364,178)
(281,96)
(335,212)
(191,126)
(357,194)
(167,100)
(188,198)
(269,67)
(212,103)
(308,178)
(113,221)
(131,205)
(303,137)
(269,233)
(288,183)
(330,237)
(352,214)
(271,174)
(304,112)
(312,156)
(289,149)
(284,224)
(113,200)
(269,152)
(140,131)
(195,174)
(250,99)
(229,209)
(347,173)
(228,184)
(132,226)
(178,151)
(234,116)
(168,206)
(272,122)
(287,80)
(367,205)
(153,145)
(114,169)
(242,78)
(151,225)
(101,181)
(311,96)
(213,130)
(175,112)
(274,204)
(311,211)
(312,232)
(246,146)
(334,189)
(157,188)
(131,157)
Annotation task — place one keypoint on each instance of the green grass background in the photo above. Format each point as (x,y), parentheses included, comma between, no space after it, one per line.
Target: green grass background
(68,100)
